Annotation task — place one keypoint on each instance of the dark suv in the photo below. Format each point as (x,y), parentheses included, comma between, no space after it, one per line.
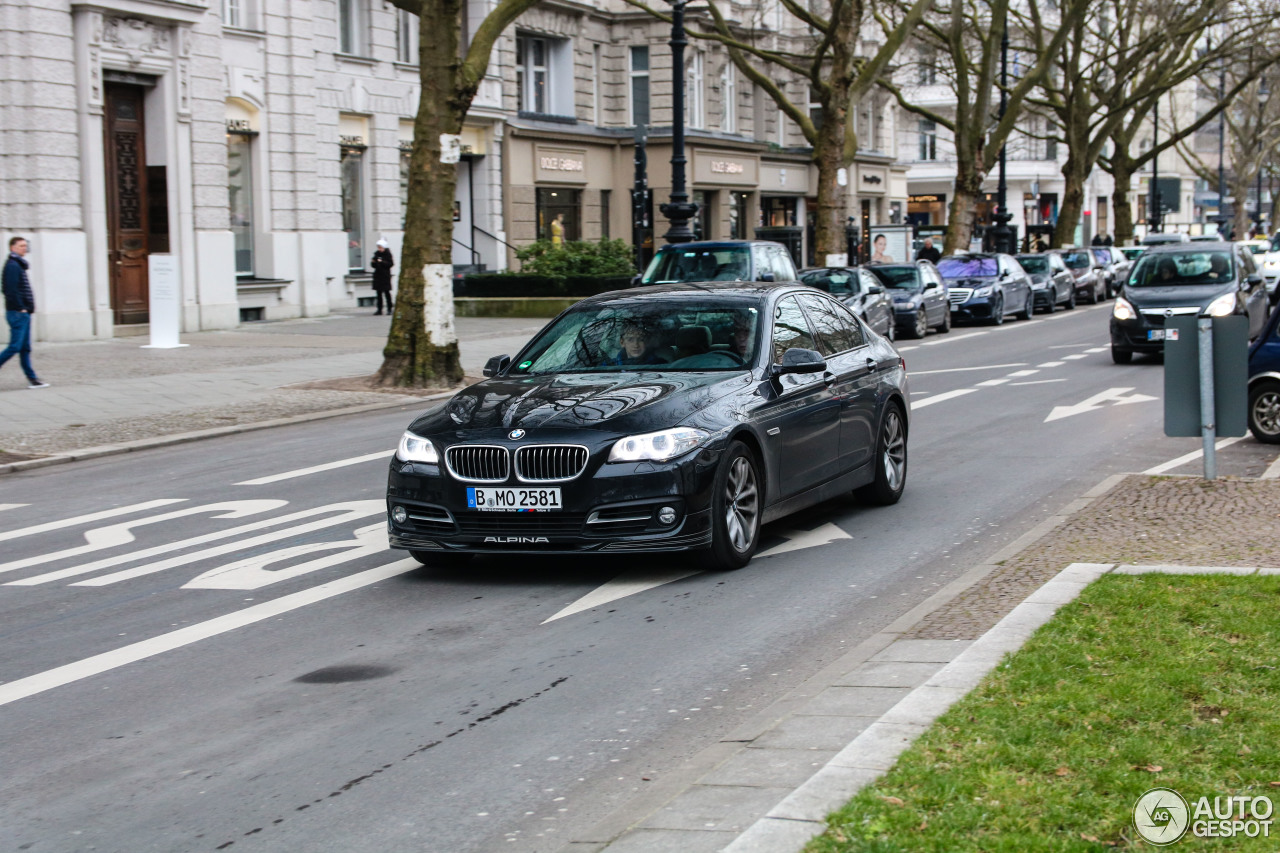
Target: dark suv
(987,286)
(720,260)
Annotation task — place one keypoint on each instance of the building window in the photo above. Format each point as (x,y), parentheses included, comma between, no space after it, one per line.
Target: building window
(777,212)
(815,110)
(406,150)
(531,74)
(639,86)
(351,27)
(559,204)
(406,37)
(353,204)
(928,139)
(695,116)
(701,224)
(240,196)
(595,84)
(928,69)
(738,216)
(233,13)
(865,126)
(604,213)
(729,98)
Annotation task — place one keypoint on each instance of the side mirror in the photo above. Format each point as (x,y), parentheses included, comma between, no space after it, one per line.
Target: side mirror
(875,289)
(496,365)
(1004,273)
(635,280)
(799,360)
(765,276)
(930,285)
(1254,280)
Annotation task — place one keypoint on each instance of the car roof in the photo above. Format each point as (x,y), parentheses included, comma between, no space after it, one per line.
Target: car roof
(746,289)
(1182,248)
(717,244)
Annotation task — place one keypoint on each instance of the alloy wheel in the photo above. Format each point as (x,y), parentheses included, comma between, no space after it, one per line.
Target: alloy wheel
(741,504)
(1266,412)
(895,451)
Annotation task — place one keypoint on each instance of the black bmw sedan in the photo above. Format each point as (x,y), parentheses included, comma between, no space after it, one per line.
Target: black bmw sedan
(669,418)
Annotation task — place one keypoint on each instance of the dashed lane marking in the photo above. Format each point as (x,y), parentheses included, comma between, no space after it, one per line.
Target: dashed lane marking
(316,469)
(1074,356)
(1037,382)
(991,383)
(1020,373)
(965,369)
(948,395)
(1051,364)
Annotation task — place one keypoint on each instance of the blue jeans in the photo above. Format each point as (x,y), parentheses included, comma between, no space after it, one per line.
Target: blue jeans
(19,342)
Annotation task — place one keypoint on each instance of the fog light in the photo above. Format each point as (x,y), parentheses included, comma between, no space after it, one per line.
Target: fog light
(399,514)
(667,515)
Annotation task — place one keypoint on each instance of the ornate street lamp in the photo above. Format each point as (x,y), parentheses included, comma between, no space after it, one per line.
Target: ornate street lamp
(1002,234)
(679,211)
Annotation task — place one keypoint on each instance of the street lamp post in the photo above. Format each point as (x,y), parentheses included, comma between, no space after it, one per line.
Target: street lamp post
(679,211)
(1002,234)
(1222,135)
(1154,215)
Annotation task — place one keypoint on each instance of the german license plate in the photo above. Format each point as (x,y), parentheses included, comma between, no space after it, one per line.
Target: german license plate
(1155,334)
(514,500)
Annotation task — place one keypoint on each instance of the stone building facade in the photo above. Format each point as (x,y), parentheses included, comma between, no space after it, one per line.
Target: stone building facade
(264,145)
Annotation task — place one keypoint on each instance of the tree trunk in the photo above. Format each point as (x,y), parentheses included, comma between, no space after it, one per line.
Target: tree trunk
(962,212)
(833,199)
(1240,182)
(422,348)
(1064,230)
(1121,207)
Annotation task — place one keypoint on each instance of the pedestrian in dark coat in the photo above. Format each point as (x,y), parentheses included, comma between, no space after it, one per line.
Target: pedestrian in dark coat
(19,305)
(382,263)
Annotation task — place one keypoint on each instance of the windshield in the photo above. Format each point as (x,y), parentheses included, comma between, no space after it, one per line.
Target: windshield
(727,263)
(1169,269)
(1133,252)
(839,282)
(1077,260)
(646,334)
(968,267)
(1103,256)
(1259,248)
(1033,263)
(897,278)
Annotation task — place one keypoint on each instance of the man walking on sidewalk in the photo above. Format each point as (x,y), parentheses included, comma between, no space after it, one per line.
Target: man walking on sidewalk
(19,305)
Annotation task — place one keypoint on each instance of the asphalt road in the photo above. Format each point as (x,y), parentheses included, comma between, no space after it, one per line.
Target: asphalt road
(247,667)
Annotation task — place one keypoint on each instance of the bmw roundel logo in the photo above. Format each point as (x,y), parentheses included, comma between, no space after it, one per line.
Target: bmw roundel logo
(516,434)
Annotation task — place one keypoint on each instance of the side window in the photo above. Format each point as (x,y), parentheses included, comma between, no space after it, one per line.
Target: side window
(1246,262)
(783,269)
(760,257)
(790,329)
(857,337)
(835,330)
(1056,264)
(866,281)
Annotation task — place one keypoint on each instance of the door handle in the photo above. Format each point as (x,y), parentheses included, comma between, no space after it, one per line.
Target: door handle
(829,378)
(872,364)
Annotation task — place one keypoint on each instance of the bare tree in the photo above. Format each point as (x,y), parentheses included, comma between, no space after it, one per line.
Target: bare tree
(837,78)
(422,347)
(966,36)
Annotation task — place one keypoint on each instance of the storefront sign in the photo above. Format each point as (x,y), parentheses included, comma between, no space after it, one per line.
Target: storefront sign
(718,167)
(792,178)
(560,165)
(873,180)
(930,198)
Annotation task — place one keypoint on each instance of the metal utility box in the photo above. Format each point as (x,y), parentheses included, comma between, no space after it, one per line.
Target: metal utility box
(1230,372)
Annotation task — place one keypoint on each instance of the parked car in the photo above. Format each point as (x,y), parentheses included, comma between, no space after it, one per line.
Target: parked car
(1264,382)
(1132,252)
(919,296)
(987,286)
(1051,282)
(1270,268)
(1212,237)
(1115,263)
(671,418)
(719,260)
(858,289)
(1161,237)
(1207,279)
(1091,276)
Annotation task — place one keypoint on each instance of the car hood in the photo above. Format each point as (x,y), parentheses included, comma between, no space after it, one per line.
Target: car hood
(971,282)
(904,295)
(1181,296)
(628,402)
(1038,277)
(1080,273)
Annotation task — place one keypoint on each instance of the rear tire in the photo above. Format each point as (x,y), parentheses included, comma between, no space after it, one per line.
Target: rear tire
(1121,356)
(1053,301)
(890,461)
(1264,412)
(737,501)
(945,325)
(1071,299)
(1028,309)
(441,559)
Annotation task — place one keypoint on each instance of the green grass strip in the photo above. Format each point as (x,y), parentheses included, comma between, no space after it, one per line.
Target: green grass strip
(1142,682)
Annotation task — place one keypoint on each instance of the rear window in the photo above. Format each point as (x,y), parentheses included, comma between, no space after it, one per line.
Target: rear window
(1077,260)
(1034,263)
(898,278)
(968,268)
(728,263)
(839,282)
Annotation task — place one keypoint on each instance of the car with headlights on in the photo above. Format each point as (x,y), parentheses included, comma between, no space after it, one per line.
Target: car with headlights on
(1051,282)
(1202,279)
(858,289)
(919,296)
(986,286)
(675,418)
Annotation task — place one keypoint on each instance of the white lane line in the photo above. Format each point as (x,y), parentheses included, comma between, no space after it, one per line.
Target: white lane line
(98,664)
(1273,471)
(1037,382)
(965,369)
(937,341)
(1097,349)
(1191,457)
(1067,346)
(1018,373)
(908,348)
(1051,364)
(85,519)
(3,507)
(328,466)
(1074,357)
(622,586)
(993,382)
(949,395)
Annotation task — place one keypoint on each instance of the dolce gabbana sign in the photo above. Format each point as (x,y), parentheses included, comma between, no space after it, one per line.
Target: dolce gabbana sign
(718,167)
(560,165)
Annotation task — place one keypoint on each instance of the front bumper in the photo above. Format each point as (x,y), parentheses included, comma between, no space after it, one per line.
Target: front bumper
(1135,335)
(975,308)
(1043,296)
(608,508)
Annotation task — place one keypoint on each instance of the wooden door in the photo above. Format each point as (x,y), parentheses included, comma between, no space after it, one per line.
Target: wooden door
(126,202)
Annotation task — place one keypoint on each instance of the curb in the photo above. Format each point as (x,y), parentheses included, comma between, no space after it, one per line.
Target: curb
(213,432)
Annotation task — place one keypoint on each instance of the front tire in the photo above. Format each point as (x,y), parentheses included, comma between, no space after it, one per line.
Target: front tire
(1264,412)
(945,325)
(1121,356)
(997,313)
(890,461)
(1071,298)
(736,503)
(1053,301)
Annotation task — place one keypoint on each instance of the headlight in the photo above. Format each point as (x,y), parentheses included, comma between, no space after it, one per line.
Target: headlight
(1272,263)
(1123,310)
(1223,306)
(415,448)
(657,446)
(984,291)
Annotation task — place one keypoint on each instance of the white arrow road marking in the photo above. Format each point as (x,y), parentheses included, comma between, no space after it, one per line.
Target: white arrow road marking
(1111,395)
(797,539)
(328,466)
(3,507)
(947,395)
(621,587)
(85,519)
(252,572)
(40,682)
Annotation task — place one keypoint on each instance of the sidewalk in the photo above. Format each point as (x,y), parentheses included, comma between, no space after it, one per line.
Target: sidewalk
(116,391)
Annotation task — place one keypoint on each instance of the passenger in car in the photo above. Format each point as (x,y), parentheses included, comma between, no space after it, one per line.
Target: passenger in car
(636,344)
(1219,269)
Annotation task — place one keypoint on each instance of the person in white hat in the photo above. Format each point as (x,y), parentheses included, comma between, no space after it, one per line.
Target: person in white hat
(382,263)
